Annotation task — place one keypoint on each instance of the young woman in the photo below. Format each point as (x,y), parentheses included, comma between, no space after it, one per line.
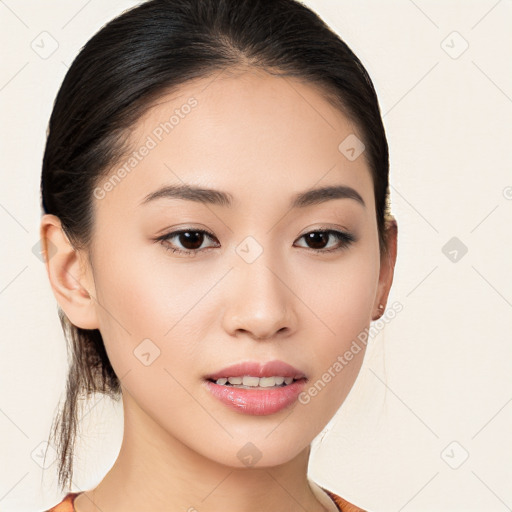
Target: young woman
(217,234)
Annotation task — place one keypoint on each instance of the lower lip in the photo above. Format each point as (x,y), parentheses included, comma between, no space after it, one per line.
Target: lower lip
(259,401)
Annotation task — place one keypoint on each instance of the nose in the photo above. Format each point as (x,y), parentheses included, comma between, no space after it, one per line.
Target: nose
(261,304)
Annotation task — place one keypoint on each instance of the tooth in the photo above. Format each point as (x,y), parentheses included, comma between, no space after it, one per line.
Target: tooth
(250,381)
(266,382)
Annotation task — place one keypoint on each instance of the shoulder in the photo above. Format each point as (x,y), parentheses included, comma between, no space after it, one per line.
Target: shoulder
(343,504)
(66,505)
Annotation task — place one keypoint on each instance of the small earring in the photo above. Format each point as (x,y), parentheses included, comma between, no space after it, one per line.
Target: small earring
(381,306)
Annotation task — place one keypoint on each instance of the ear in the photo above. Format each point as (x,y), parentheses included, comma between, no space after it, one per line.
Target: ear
(69,273)
(387,268)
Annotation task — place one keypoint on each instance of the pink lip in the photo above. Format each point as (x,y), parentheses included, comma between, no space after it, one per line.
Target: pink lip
(257,401)
(255,369)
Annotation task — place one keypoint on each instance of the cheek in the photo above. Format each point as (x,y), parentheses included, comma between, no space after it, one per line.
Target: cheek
(341,304)
(142,319)
(146,294)
(340,296)
(150,315)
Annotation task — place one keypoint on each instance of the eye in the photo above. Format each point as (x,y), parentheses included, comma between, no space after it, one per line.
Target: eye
(319,238)
(190,239)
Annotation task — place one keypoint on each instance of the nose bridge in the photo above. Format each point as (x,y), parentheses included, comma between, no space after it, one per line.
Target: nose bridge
(261,303)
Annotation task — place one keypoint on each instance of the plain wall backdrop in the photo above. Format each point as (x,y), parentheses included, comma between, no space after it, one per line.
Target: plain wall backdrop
(427,425)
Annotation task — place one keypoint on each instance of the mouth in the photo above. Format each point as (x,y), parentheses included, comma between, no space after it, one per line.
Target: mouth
(257,389)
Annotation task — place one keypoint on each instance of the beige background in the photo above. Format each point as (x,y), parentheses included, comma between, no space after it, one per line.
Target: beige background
(436,383)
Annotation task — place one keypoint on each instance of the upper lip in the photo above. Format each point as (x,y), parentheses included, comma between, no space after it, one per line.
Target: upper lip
(255,369)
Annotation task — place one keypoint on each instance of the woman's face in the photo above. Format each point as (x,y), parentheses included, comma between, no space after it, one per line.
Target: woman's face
(254,290)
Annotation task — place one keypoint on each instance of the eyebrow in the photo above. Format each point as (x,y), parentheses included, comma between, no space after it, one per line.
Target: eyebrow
(218,197)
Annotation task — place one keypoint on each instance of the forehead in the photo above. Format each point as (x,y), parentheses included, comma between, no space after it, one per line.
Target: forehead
(253,134)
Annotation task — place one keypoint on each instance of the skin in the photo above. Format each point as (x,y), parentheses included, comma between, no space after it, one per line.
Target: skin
(261,138)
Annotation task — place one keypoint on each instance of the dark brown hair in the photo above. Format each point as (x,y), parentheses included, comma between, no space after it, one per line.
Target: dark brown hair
(149,51)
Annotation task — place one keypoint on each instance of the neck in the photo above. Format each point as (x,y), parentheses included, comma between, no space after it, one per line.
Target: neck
(155,471)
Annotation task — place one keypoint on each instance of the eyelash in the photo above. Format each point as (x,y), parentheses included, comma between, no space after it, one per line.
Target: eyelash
(345,238)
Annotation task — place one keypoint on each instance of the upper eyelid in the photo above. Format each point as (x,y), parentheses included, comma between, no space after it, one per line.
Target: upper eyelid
(202,230)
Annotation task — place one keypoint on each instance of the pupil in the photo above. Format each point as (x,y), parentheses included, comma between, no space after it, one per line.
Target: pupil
(313,237)
(193,238)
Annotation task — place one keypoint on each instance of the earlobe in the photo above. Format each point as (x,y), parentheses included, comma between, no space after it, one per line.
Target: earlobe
(68,273)
(387,268)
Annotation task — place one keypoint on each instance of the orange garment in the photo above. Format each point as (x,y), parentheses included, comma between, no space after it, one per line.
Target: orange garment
(66,505)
